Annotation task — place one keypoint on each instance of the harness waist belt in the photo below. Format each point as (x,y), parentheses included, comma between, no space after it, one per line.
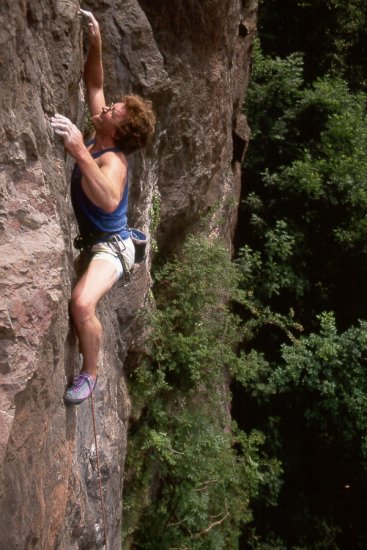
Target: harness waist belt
(85,242)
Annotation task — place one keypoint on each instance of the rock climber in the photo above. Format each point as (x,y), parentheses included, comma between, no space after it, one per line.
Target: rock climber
(99,192)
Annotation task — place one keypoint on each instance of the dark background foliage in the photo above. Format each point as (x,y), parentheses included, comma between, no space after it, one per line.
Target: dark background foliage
(301,243)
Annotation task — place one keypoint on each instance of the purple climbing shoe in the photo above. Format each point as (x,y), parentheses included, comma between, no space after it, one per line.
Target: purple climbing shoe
(82,388)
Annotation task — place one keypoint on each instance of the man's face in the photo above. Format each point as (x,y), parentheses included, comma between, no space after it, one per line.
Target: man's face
(110,117)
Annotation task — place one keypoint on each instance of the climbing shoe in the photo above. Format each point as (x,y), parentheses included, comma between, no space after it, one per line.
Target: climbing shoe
(82,388)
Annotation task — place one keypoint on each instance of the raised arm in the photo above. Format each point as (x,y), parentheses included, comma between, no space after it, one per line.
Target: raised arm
(103,184)
(93,69)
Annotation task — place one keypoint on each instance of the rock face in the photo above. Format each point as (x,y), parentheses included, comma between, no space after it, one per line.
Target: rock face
(192,60)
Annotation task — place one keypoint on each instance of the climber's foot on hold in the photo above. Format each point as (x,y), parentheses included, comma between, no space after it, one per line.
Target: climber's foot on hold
(81,388)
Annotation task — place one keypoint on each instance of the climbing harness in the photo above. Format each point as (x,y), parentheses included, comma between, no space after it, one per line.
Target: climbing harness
(115,243)
(139,239)
(91,398)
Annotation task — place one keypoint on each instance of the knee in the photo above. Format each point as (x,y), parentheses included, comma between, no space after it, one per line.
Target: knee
(81,309)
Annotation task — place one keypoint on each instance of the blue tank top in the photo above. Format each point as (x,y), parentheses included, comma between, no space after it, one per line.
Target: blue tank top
(90,217)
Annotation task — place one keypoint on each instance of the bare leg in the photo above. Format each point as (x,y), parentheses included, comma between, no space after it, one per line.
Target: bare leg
(92,286)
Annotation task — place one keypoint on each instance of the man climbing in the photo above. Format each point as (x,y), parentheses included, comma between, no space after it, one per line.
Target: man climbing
(99,192)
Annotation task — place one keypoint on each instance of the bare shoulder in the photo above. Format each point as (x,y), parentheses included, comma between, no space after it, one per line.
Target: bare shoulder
(113,158)
(114,165)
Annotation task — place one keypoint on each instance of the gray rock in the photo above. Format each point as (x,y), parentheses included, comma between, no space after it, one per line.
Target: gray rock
(192,60)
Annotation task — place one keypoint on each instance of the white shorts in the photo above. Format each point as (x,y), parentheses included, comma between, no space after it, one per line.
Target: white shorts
(104,251)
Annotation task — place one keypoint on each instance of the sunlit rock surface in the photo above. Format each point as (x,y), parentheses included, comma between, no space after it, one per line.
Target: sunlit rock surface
(192,60)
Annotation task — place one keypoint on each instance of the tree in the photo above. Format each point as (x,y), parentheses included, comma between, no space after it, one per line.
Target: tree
(304,253)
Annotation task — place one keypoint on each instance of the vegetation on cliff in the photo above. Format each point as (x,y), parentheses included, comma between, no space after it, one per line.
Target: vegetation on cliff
(191,472)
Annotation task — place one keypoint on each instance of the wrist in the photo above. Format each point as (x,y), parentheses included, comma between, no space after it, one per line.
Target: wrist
(96,44)
(82,154)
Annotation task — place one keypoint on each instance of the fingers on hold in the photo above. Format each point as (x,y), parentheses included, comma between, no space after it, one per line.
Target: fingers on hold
(62,118)
(61,123)
(60,132)
(87,14)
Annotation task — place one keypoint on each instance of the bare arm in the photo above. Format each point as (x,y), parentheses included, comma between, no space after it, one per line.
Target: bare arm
(93,68)
(103,184)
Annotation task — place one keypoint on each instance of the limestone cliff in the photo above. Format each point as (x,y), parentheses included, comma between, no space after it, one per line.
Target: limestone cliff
(192,60)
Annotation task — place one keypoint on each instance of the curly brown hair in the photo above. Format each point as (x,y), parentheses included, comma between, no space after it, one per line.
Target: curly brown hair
(134,132)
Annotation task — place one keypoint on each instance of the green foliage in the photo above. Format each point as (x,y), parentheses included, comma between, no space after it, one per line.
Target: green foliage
(318,390)
(191,473)
(305,253)
(270,103)
(155,216)
(330,367)
(272,272)
(334,169)
(330,33)
(308,205)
